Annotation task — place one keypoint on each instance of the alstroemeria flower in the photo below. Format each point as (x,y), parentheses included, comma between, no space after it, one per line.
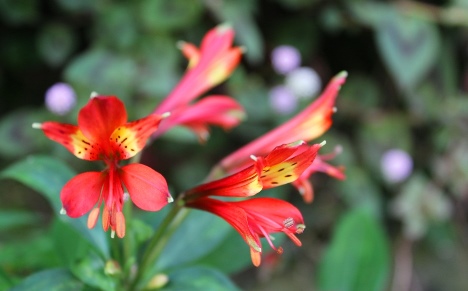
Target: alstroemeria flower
(208,66)
(255,218)
(104,134)
(285,164)
(307,125)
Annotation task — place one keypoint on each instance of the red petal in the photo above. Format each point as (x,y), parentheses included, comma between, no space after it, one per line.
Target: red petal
(147,188)
(100,117)
(242,184)
(73,140)
(128,139)
(234,215)
(307,125)
(81,193)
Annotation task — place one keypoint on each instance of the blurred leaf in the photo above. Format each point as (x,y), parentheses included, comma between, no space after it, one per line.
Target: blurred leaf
(158,64)
(34,250)
(79,6)
(55,43)
(198,279)
(169,14)
(239,14)
(47,176)
(297,4)
(201,232)
(358,257)
(5,282)
(10,219)
(409,46)
(51,280)
(368,90)
(117,17)
(18,12)
(383,132)
(359,190)
(90,270)
(104,72)
(69,244)
(232,249)
(17,134)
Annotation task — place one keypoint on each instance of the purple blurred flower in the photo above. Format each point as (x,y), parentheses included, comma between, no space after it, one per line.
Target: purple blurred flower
(304,82)
(396,165)
(282,100)
(60,98)
(285,58)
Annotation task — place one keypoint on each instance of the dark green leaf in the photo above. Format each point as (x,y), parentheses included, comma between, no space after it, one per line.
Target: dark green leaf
(201,232)
(169,14)
(198,278)
(50,280)
(10,219)
(47,176)
(55,43)
(358,257)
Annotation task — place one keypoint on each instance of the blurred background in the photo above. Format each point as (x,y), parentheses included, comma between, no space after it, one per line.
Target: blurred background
(399,219)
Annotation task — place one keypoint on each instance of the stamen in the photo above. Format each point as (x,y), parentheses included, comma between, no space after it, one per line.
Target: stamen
(300,228)
(323,143)
(63,211)
(112,233)
(165,115)
(93,95)
(120,224)
(37,125)
(93,217)
(256,257)
(126,197)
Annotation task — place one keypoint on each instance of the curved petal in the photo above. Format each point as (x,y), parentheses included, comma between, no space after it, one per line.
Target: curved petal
(81,193)
(100,117)
(212,110)
(71,137)
(147,188)
(129,139)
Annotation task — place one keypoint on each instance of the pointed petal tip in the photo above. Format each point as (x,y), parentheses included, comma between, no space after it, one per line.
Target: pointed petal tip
(63,211)
(323,143)
(253,157)
(180,44)
(165,115)
(170,199)
(93,95)
(223,27)
(37,125)
(342,75)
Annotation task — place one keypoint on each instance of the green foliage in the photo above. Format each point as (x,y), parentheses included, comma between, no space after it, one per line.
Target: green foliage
(358,257)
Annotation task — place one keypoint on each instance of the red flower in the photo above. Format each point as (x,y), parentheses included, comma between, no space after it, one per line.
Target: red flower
(255,218)
(208,66)
(283,165)
(307,125)
(103,133)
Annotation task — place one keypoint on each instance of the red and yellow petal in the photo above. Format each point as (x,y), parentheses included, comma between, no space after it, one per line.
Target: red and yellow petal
(147,188)
(71,137)
(100,117)
(279,171)
(81,193)
(128,139)
(241,184)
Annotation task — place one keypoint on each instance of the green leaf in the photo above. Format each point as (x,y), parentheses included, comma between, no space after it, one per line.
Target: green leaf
(103,71)
(10,219)
(199,278)
(232,249)
(409,46)
(201,232)
(19,11)
(55,43)
(48,176)
(239,14)
(17,135)
(358,257)
(169,14)
(50,280)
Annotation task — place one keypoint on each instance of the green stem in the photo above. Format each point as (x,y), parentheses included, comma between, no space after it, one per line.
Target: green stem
(159,240)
